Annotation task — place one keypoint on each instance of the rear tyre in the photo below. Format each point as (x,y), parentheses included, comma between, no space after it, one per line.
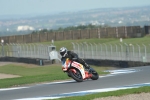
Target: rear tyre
(76,76)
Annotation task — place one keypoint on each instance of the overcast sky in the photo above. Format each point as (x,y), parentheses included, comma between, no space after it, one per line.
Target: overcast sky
(24,7)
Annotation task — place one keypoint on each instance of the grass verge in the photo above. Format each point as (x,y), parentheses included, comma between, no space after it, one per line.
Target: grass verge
(107,41)
(145,89)
(35,74)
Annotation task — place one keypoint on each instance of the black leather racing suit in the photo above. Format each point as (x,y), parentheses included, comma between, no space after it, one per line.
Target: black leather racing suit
(73,56)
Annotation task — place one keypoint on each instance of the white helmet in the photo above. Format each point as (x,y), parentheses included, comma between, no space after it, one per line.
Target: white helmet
(63,51)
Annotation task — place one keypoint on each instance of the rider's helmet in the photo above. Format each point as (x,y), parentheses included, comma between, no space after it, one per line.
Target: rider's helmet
(63,51)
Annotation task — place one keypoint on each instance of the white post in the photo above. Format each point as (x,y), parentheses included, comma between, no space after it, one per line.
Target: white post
(2,43)
(95,50)
(139,52)
(144,59)
(117,32)
(99,33)
(92,50)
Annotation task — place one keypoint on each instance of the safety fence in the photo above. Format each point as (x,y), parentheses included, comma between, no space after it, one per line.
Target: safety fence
(102,51)
(101,32)
(116,51)
(39,51)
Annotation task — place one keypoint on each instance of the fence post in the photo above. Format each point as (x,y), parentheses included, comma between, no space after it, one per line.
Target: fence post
(125,28)
(95,49)
(2,44)
(110,51)
(100,50)
(87,50)
(105,50)
(127,52)
(121,52)
(139,52)
(144,58)
(78,48)
(117,32)
(73,45)
(82,50)
(132,58)
(91,50)
(99,33)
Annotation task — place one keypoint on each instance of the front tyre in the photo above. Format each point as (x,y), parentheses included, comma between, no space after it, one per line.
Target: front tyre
(76,75)
(95,75)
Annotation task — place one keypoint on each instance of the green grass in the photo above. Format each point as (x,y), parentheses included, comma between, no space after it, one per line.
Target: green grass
(68,43)
(145,89)
(30,75)
(134,41)
(35,74)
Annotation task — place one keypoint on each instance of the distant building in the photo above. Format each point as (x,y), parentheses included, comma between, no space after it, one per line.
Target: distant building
(95,23)
(24,28)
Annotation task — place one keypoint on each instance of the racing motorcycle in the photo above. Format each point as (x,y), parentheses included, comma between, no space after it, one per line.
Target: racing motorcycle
(77,70)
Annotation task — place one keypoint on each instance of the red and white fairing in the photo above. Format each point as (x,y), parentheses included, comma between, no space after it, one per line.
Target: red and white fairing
(66,65)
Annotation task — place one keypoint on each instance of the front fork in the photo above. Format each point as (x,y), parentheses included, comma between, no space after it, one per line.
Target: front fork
(87,75)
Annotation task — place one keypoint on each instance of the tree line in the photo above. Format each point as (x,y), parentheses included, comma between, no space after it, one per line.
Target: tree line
(79,27)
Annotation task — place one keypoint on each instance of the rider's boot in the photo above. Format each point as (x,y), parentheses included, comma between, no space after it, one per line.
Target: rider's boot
(89,69)
(87,66)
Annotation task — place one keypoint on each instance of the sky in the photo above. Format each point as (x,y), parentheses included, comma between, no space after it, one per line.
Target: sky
(25,7)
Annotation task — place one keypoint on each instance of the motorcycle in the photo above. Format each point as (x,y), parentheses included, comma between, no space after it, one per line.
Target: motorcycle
(77,71)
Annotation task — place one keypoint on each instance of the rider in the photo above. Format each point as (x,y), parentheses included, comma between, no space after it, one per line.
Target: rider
(72,56)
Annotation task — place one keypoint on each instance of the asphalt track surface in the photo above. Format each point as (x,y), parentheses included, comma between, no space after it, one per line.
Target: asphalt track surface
(135,75)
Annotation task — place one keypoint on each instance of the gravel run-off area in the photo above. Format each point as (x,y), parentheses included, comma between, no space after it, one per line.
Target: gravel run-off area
(3,75)
(141,96)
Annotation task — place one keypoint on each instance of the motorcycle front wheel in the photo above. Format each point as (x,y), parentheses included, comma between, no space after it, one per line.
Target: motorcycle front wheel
(95,75)
(76,75)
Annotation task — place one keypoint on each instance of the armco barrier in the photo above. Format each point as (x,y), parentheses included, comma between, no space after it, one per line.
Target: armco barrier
(35,61)
(113,63)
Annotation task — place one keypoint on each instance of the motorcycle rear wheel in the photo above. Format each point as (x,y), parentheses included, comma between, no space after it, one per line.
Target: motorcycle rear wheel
(76,76)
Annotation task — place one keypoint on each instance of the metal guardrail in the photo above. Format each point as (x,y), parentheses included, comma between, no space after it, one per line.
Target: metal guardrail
(39,51)
(102,51)
(118,51)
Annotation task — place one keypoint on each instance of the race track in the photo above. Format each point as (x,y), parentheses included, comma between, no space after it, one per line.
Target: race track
(117,78)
